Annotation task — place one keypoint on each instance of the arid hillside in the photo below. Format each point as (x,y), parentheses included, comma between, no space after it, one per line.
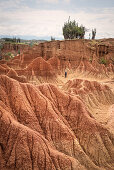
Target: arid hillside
(52,122)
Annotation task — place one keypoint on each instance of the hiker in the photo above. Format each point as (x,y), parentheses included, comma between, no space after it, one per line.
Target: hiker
(65,74)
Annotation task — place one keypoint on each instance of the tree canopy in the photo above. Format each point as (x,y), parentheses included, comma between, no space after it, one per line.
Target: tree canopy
(71,30)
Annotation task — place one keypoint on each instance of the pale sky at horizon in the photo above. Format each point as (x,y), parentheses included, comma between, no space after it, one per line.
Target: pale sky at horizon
(45,18)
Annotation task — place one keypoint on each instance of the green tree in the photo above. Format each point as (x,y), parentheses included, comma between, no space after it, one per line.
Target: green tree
(71,30)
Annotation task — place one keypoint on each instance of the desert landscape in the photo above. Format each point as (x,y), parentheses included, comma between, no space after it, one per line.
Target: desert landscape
(52,122)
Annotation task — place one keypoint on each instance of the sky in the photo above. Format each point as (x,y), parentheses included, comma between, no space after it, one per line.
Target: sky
(41,19)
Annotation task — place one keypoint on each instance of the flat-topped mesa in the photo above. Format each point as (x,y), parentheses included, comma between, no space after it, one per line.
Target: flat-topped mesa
(69,52)
(47,50)
(74,49)
(14,47)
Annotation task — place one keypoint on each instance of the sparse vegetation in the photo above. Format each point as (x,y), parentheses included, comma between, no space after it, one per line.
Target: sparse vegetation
(93,42)
(103,61)
(18,51)
(1,46)
(91,59)
(31,44)
(9,55)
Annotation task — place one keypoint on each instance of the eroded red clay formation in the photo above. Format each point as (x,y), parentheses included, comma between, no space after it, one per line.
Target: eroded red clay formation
(43,128)
(82,56)
(4,69)
(55,63)
(13,74)
(98,97)
(13,47)
(39,69)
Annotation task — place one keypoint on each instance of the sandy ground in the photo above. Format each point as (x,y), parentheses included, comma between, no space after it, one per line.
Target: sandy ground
(101,112)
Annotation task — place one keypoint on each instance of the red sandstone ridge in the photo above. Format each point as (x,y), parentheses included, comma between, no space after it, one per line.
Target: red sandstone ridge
(55,62)
(44,128)
(13,74)
(4,69)
(39,67)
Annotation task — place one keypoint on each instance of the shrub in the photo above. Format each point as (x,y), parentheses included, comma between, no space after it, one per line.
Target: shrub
(91,59)
(18,51)
(103,61)
(9,55)
(1,46)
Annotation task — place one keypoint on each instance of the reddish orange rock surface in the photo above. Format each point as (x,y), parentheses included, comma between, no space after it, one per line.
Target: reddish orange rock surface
(43,128)
(67,125)
(13,74)
(39,67)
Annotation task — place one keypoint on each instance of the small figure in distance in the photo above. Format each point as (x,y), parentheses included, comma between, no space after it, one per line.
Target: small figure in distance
(65,73)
